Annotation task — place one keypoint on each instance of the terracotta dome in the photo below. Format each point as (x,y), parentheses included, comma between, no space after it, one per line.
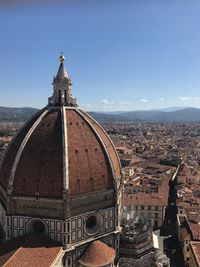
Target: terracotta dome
(57,146)
(97,254)
(60,149)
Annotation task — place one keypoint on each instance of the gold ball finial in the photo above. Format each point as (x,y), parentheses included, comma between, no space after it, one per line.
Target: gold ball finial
(61,57)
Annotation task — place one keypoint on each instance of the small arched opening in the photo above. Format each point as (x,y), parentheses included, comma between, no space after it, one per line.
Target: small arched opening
(36,226)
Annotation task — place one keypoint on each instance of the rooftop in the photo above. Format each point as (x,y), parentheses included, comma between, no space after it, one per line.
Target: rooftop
(26,251)
(196,250)
(97,254)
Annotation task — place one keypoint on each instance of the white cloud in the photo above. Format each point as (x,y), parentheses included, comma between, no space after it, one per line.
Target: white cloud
(143,100)
(188,98)
(184,98)
(162,99)
(107,102)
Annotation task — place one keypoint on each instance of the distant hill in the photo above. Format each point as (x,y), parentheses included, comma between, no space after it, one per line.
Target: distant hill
(16,114)
(169,109)
(180,115)
(183,115)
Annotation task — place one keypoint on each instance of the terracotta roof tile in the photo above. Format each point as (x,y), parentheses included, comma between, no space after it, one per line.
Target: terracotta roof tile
(196,250)
(12,151)
(108,144)
(89,169)
(97,254)
(91,156)
(40,168)
(26,251)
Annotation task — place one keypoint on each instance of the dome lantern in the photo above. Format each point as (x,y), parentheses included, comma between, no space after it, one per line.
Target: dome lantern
(62,92)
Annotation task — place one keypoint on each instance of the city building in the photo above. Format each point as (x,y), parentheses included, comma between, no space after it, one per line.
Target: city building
(188,233)
(194,249)
(146,193)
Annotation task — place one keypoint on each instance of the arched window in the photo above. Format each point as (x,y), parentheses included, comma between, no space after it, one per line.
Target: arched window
(36,226)
(59,96)
(65,96)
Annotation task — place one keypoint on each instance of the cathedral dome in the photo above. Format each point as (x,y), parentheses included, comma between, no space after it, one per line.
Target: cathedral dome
(61,153)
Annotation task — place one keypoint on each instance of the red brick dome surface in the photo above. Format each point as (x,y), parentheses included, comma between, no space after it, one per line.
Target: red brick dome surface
(60,147)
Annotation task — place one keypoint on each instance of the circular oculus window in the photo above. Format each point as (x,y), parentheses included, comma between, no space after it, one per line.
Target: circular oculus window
(93,224)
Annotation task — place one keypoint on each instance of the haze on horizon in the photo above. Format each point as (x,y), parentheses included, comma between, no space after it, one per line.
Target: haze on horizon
(121,55)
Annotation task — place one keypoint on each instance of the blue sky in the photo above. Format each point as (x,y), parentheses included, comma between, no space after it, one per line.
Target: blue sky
(120,54)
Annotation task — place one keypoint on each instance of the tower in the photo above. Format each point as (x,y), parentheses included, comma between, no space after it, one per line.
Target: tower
(61,178)
(136,245)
